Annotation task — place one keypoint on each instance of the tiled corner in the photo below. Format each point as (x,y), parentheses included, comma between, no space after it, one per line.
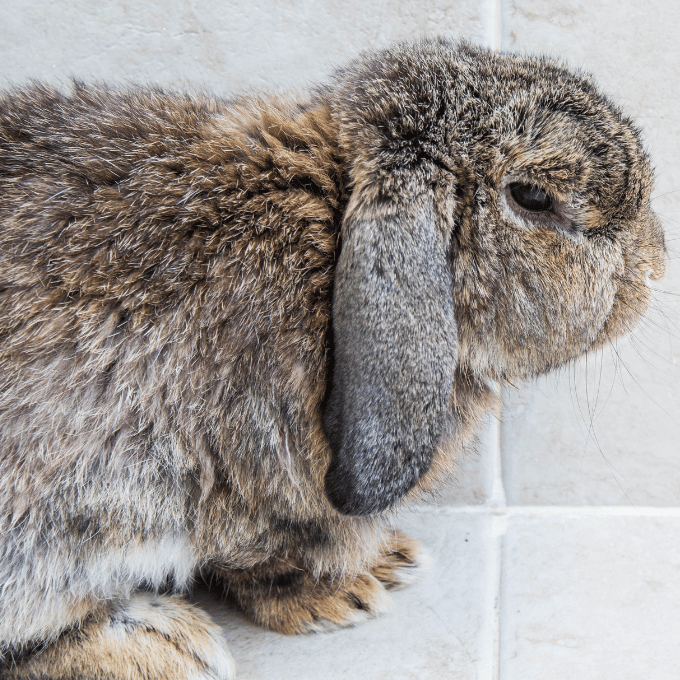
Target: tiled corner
(440,627)
(515,593)
(590,596)
(472,481)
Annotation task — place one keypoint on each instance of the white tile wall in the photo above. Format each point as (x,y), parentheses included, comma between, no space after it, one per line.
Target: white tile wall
(223,45)
(551,453)
(555,547)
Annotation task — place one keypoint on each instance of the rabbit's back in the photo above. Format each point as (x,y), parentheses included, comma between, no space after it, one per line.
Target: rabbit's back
(166,270)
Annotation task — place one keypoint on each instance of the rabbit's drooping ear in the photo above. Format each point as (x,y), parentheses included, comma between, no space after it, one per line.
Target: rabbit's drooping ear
(395,349)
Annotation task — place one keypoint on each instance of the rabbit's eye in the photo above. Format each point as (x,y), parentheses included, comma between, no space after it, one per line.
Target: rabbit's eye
(530,197)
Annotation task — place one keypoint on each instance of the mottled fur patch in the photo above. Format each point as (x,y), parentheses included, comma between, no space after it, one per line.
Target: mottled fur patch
(148,636)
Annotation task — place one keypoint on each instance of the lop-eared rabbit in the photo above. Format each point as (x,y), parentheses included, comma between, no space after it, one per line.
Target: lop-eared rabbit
(235,333)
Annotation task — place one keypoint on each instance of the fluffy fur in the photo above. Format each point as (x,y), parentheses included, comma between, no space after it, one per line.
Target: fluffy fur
(233,332)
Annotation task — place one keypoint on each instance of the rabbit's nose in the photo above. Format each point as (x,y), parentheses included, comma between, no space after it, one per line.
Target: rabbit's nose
(654,262)
(658,268)
(656,255)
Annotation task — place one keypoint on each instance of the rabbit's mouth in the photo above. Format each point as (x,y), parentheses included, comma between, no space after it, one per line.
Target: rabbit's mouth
(645,257)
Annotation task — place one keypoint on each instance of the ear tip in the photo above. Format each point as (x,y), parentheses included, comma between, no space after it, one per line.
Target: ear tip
(352,504)
(337,492)
(349,498)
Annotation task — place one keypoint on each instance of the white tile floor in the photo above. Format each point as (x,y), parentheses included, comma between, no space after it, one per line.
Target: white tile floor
(592,593)
(556,551)
(442,627)
(515,592)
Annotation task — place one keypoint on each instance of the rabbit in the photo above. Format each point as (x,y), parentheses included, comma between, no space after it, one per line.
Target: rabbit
(236,334)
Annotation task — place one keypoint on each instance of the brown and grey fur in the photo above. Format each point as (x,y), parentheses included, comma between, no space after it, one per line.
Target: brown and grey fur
(233,332)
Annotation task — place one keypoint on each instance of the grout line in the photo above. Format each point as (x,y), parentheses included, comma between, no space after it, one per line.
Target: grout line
(498,526)
(497,498)
(553,510)
(497,504)
(496,34)
(498,529)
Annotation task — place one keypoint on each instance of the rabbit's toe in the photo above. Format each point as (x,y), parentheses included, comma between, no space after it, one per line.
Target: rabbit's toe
(338,605)
(402,562)
(290,600)
(147,636)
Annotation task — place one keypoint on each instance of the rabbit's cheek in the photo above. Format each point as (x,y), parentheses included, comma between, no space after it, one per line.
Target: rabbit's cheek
(551,314)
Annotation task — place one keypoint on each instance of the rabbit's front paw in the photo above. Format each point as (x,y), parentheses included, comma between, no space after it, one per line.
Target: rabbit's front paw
(401,563)
(288,599)
(284,597)
(147,636)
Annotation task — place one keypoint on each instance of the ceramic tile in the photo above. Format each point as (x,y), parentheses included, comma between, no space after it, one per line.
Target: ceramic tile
(438,628)
(605,430)
(591,597)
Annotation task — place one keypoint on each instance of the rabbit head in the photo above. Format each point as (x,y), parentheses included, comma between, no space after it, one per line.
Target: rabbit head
(499,225)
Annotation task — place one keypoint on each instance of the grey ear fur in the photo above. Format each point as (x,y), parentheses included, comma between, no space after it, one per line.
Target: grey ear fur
(395,353)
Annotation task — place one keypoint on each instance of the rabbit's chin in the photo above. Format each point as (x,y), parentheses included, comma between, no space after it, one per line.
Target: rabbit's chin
(517,363)
(618,326)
